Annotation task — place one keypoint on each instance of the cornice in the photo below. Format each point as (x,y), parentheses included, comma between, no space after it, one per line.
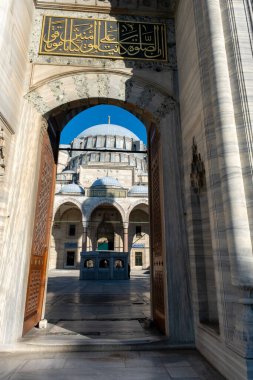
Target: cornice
(101,9)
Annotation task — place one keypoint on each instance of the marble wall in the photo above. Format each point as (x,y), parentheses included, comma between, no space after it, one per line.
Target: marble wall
(18,178)
(215,99)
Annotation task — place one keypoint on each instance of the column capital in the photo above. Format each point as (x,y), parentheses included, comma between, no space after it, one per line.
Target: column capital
(85,223)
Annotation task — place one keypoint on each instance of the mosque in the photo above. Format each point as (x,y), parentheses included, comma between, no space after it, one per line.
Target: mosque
(184,68)
(103,192)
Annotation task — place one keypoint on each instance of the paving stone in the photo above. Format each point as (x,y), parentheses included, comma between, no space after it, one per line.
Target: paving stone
(182,372)
(178,364)
(79,304)
(42,364)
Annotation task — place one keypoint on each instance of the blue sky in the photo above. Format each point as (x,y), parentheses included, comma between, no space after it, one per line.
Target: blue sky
(99,115)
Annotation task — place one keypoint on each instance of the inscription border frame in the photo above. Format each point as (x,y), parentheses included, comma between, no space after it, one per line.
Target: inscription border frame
(105,57)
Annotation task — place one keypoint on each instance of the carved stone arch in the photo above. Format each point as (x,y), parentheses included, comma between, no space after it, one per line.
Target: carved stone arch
(147,99)
(60,99)
(62,201)
(88,209)
(134,205)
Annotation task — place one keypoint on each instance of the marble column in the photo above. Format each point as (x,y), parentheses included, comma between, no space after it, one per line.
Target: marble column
(230,171)
(84,237)
(125,239)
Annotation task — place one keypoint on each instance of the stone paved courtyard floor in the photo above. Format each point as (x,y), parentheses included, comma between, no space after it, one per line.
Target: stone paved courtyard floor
(96,309)
(108,322)
(128,365)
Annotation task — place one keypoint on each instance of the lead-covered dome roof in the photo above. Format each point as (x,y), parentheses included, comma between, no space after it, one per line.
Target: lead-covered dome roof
(138,190)
(108,130)
(72,188)
(106,182)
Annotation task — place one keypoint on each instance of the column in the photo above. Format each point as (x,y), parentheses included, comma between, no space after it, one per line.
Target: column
(84,236)
(125,238)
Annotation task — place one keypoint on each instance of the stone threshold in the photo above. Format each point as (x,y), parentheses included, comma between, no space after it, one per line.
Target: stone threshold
(70,344)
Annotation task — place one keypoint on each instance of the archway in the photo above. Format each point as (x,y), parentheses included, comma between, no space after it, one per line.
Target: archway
(105,231)
(66,238)
(75,92)
(139,237)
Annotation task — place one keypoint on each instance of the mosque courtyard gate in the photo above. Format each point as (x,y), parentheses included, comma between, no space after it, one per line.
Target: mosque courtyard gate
(191,85)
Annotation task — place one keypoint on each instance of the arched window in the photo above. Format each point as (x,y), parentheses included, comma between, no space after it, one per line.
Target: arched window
(104,263)
(89,264)
(119,264)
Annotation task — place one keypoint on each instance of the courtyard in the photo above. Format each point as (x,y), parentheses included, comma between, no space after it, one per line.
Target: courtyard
(100,330)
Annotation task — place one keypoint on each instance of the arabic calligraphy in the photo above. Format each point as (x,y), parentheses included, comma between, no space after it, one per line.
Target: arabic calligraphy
(103,38)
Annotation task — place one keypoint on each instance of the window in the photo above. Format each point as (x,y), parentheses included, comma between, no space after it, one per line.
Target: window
(119,264)
(72,230)
(138,259)
(138,231)
(104,263)
(70,260)
(89,264)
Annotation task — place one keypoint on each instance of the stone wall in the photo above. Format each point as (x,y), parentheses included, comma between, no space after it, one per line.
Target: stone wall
(18,179)
(215,99)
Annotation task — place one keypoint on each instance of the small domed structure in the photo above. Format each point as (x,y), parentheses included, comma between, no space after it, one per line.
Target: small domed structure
(138,190)
(106,182)
(72,189)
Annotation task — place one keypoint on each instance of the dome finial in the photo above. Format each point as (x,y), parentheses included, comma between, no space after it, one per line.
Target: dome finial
(109,119)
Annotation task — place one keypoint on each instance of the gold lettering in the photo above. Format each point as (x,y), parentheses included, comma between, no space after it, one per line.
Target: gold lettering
(103,38)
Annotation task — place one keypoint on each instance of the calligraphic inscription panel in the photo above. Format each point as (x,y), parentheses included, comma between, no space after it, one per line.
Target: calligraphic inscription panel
(103,38)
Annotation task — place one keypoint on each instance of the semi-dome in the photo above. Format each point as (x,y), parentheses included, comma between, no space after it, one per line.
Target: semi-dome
(72,188)
(108,130)
(106,182)
(138,190)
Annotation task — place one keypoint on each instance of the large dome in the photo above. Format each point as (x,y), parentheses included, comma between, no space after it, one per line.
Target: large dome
(108,130)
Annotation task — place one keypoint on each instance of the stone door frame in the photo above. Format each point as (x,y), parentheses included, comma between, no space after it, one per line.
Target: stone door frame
(61,97)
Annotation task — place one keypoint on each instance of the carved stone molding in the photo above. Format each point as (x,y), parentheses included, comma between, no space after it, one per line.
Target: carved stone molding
(81,86)
(145,99)
(113,7)
(6,124)
(103,85)
(57,88)
(37,101)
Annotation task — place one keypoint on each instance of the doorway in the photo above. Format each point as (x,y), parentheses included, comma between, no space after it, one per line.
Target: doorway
(106,227)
